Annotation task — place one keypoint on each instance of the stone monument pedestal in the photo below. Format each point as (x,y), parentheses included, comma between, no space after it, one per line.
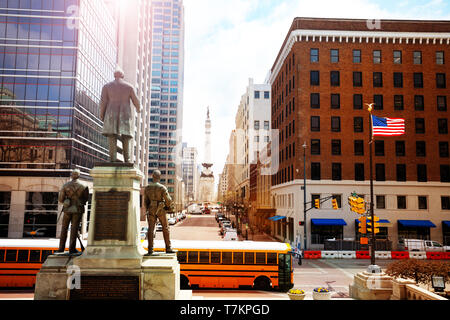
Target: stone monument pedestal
(113,265)
(372,284)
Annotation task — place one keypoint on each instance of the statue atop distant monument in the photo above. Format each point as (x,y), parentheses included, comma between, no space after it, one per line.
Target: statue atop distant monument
(117,114)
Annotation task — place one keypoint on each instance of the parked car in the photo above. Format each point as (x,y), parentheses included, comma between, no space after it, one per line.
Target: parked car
(158,227)
(421,245)
(172,221)
(230,235)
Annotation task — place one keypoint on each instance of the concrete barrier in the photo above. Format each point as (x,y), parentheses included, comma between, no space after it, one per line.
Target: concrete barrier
(347,254)
(418,255)
(436,255)
(330,254)
(312,254)
(383,255)
(364,254)
(399,255)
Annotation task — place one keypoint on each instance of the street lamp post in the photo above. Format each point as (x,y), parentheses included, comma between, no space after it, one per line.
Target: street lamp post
(304,195)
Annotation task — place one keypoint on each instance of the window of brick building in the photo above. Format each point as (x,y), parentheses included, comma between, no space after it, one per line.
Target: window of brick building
(400,148)
(443,149)
(336,124)
(422,202)
(445,172)
(442,126)
(379,148)
(381,202)
(422,173)
(445,202)
(334,55)
(377,79)
(315,123)
(358,147)
(315,100)
(357,79)
(358,124)
(398,102)
(397,57)
(376,56)
(314,55)
(359,171)
(335,79)
(440,81)
(380,174)
(401,202)
(314,78)
(441,103)
(315,170)
(315,146)
(440,57)
(336,147)
(336,171)
(420,125)
(356,56)
(418,79)
(357,101)
(417,57)
(421,149)
(335,101)
(378,100)
(419,103)
(398,79)
(401,172)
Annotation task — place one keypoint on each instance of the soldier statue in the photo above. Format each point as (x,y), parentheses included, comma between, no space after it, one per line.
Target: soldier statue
(157,201)
(73,195)
(117,114)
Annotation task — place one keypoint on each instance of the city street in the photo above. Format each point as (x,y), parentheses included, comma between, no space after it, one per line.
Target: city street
(338,273)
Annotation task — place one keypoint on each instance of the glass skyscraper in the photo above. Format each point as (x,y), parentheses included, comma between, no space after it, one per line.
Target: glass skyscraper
(167,77)
(55,56)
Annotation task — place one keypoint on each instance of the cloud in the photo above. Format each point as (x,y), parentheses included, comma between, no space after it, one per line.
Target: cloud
(229,41)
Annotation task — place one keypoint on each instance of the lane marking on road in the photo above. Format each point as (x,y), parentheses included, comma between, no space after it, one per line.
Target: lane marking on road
(322,271)
(348,274)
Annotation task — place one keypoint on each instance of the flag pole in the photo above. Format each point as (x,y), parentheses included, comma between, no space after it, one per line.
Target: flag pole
(372,249)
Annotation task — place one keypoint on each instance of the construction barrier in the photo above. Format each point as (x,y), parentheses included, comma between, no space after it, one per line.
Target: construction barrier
(330,254)
(418,255)
(447,255)
(347,254)
(383,255)
(400,254)
(312,255)
(362,255)
(436,255)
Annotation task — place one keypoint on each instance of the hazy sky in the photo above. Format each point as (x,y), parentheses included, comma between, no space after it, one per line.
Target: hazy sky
(229,41)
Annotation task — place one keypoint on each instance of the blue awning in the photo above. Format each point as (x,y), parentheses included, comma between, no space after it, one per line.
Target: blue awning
(275,218)
(381,221)
(417,223)
(447,223)
(329,222)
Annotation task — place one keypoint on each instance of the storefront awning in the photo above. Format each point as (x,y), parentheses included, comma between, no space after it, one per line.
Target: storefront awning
(447,223)
(417,223)
(329,222)
(382,221)
(275,218)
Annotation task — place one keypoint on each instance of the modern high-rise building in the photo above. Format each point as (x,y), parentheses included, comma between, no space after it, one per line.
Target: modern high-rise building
(167,76)
(55,57)
(190,174)
(325,74)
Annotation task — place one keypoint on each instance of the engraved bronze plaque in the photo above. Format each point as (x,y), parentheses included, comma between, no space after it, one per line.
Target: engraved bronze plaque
(111,215)
(106,288)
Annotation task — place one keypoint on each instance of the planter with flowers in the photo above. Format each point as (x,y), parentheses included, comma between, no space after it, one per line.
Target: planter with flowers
(296,294)
(321,294)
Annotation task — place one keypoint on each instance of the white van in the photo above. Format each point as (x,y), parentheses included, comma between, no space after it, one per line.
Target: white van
(422,245)
(230,234)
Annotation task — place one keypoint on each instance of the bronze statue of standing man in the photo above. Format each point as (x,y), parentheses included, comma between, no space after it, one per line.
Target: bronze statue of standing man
(73,195)
(117,114)
(157,200)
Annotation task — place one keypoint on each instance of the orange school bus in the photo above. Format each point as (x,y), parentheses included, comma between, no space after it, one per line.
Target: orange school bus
(203,264)
(233,264)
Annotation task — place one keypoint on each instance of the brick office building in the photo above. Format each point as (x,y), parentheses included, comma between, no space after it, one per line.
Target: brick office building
(325,73)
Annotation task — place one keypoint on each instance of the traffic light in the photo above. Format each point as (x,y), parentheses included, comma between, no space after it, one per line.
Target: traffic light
(376,225)
(317,203)
(363,225)
(335,204)
(360,206)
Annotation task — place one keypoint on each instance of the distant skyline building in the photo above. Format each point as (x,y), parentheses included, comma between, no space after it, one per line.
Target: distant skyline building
(55,57)
(190,173)
(166,91)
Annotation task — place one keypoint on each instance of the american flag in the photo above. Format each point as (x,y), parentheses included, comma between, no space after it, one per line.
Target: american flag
(387,126)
